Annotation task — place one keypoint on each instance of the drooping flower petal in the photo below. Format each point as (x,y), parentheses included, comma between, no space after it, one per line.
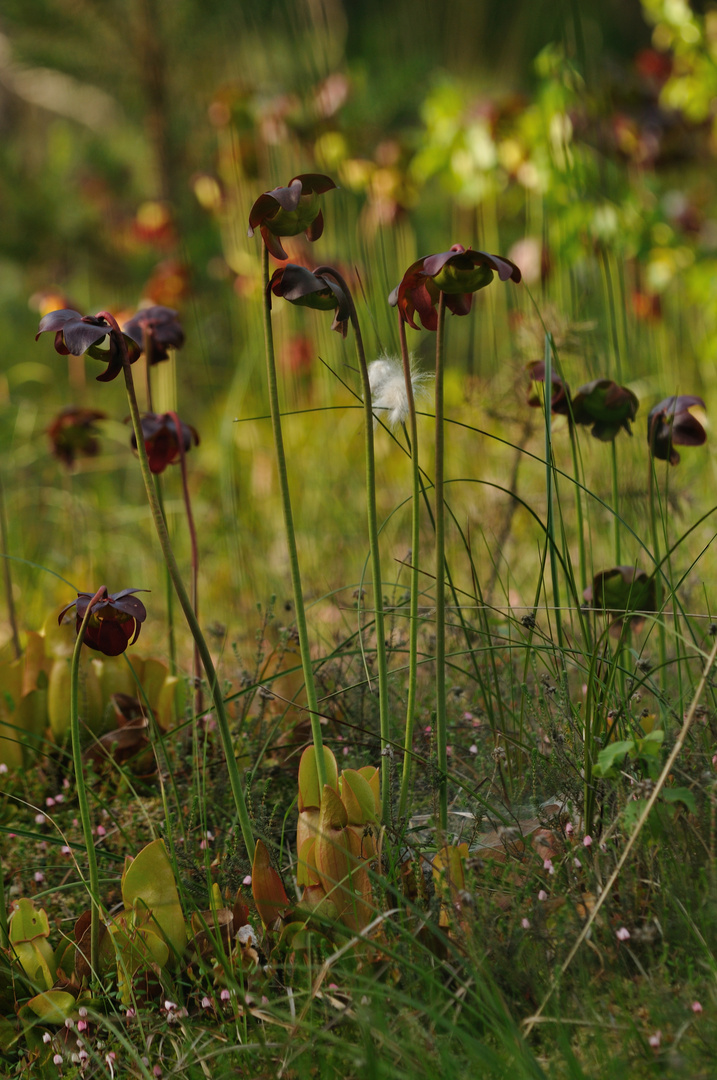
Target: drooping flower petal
(670,422)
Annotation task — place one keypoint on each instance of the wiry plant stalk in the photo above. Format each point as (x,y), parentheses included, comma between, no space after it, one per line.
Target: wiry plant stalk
(82,801)
(415,543)
(441,718)
(304,649)
(184,601)
(375,555)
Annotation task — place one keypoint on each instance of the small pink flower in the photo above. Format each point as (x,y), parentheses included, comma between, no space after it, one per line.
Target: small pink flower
(59,798)
(3,768)
(49,801)
(170,1005)
(101,830)
(449,750)
(577,864)
(473,749)
(525,923)
(206,1003)
(69,1023)
(542,895)
(47,1037)
(203,845)
(57,1059)
(345,751)
(587,841)
(548,865)
(225,995)
(39,877)
(333,986)
(714,761)
(428,729)
(569,829)
(157,1071)
(82,1011)
(130,1014)
(696,1007)
(247,880)
(66,784)
(65,850)
(467,715)
(655,1039)
(623,934)
(40,819)
(82,1025)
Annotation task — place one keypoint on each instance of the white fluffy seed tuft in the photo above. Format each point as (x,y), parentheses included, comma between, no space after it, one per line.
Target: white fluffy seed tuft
(388,389)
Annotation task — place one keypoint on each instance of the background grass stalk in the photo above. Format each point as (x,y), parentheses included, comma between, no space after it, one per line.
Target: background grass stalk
(169,589)
(304,649)
(82,801)
(186,605)
(414,586)
(661,633)
(375,553)
(441,721)
(615,501)
(549,489)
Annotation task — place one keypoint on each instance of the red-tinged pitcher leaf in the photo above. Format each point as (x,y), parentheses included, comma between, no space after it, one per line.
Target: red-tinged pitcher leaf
(267,887)
(309,787)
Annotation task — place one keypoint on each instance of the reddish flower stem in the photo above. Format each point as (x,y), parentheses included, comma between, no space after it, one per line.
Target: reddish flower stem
(198,706)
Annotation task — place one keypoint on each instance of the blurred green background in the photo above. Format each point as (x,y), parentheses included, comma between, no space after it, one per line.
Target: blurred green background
(136,134)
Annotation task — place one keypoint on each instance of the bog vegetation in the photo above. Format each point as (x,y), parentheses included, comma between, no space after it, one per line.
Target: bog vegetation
(357,694)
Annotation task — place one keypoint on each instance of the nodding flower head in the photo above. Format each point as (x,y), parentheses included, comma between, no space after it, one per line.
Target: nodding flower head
(560,391)
(457,273)
(161,439)
(671,422)
(115,620)
(73,434)
(388,389)
(288,211)
(159,329)
(306,289)
(78,334)
(606,406)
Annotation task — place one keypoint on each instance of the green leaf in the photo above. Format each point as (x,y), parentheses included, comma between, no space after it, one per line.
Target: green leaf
(611,755)
(683,795)
(53,1007)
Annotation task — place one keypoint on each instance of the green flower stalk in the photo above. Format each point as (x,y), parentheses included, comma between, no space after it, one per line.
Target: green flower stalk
(429,287)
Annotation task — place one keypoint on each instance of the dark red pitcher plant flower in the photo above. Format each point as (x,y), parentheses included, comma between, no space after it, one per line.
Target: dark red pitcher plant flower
(73,433)
(158,329)
(305,289)
(115,620)
(290,210)
(162,441)
(78,334)
(670,423)
(605,407)
(457,274)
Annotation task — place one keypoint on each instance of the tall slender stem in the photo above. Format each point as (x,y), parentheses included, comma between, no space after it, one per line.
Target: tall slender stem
(195,559)
(415,543)
(185,602)
(381,660)
(616,503)
(653,495)
(83,804)
(441,721)
(304,649)
(12,617)
(549,489)
(169,589)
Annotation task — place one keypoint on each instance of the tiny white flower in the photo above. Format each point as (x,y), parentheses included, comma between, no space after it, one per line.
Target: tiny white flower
(388,389)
